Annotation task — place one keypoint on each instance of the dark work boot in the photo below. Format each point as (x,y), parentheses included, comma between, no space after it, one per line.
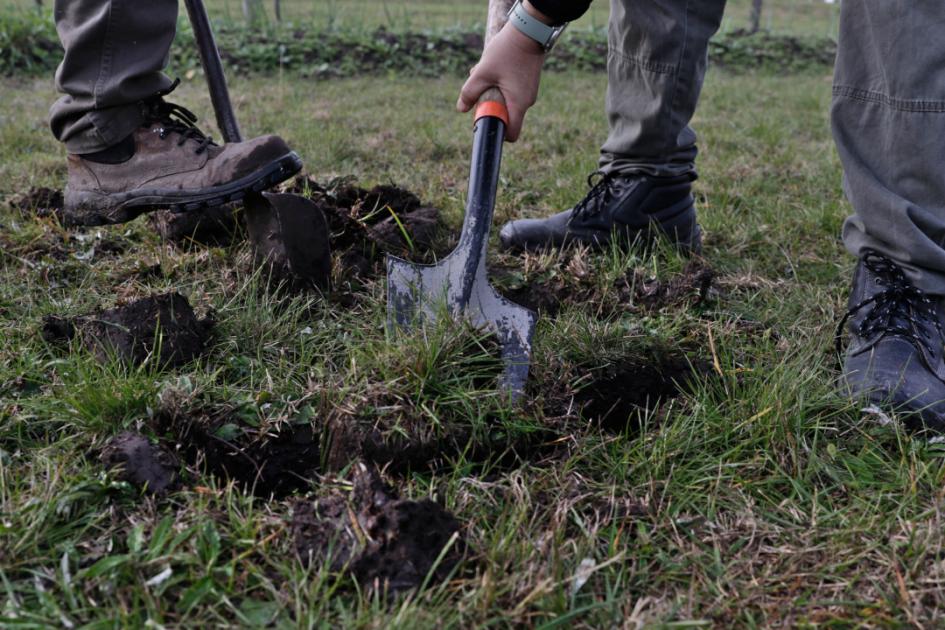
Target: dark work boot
(630,208)
(894,357)
(170,163)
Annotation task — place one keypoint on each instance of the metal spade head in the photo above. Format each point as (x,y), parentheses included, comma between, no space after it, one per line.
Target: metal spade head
(419,293)
(289,233)
(458,285)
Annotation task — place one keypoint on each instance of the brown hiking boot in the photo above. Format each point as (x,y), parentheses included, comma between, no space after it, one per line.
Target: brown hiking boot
(170,163)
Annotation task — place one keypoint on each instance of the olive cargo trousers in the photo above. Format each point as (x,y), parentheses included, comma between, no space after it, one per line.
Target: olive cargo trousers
(888,114)
(888,118)
(115,51)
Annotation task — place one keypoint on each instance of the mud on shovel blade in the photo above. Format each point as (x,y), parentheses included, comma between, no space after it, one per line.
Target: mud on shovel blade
(288,233)
(458,285)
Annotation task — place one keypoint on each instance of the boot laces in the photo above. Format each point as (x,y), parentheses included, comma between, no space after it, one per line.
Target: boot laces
(898,309)
(175,118)
(599,195)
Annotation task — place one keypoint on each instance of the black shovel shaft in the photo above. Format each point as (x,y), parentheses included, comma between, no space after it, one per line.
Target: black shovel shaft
(213,68)
(488,137)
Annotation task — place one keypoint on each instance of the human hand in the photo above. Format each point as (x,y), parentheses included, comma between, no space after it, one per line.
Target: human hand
(511,62)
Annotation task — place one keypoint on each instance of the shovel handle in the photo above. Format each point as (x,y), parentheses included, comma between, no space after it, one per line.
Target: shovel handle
(492,103)
(213,68)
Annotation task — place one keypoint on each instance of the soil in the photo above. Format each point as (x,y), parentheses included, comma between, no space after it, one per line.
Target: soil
(365,224)
(689,288)
(560,287)
(134,331)
(387,543)
(211,226)
(218,442)
(618,396)
(544,299)
(136,460)
(399,454)
(368,224)
(41,202)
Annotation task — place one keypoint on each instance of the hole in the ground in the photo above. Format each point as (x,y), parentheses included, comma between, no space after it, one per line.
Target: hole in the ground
(618,396)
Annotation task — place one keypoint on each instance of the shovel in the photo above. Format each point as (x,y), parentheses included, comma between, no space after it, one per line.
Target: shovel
(459,283)
(288,233)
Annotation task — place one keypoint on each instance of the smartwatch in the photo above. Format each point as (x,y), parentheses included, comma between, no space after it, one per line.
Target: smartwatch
(546,36)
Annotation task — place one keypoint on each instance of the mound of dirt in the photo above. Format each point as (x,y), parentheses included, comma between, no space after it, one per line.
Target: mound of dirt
(368,224)
(163,324)
(209,226)
(388,544)
(145,465)
(40,202)
(365,224)
(617,396)
(689,288)
(218,442)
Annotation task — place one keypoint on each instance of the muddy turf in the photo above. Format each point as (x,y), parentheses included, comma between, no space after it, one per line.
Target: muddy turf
(402,540)
(183,441)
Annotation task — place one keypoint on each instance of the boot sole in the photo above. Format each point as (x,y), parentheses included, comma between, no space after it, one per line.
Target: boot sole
(91,208)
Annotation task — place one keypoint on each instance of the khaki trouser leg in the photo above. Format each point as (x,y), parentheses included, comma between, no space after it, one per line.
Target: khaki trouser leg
(115,51)
(888,119)
(656,66)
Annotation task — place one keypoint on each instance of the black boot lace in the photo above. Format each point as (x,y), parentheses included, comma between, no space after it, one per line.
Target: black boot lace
(899,308)
(599,195)
(175,118)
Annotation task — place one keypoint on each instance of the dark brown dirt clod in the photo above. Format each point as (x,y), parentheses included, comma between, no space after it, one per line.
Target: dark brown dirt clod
(367,224)
(141,463)
(387,543)
(275,464)
(41,202)
(133,332)
(210,226)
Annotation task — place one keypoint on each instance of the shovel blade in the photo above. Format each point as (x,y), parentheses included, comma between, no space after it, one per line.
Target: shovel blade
(419,293)
(290,234)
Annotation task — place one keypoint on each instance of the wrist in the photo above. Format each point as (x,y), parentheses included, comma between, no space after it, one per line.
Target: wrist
(546,35)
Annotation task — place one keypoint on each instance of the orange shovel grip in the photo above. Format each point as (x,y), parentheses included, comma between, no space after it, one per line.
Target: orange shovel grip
(494,109)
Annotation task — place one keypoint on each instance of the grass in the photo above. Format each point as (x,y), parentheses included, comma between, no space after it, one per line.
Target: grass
(796,17)
(761,498)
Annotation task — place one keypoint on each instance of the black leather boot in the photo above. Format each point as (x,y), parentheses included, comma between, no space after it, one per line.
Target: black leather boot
(630,208)
(894,357)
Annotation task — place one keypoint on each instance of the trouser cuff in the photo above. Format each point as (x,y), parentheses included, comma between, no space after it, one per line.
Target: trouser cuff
(102,128)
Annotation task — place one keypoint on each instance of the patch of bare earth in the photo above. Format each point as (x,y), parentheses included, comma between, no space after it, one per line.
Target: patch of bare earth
(388,544)
(164,327)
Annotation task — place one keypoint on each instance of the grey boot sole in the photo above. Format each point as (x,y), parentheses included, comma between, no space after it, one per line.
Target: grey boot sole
(87,208)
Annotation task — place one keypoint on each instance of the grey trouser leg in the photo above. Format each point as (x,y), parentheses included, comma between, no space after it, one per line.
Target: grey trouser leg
(656,66)
(115,51)
(888,120)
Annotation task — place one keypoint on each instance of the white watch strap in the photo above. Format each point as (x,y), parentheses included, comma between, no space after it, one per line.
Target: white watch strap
(531,26)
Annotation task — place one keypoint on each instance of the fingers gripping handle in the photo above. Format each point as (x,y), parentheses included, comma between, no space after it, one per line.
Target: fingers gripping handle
(492,103)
